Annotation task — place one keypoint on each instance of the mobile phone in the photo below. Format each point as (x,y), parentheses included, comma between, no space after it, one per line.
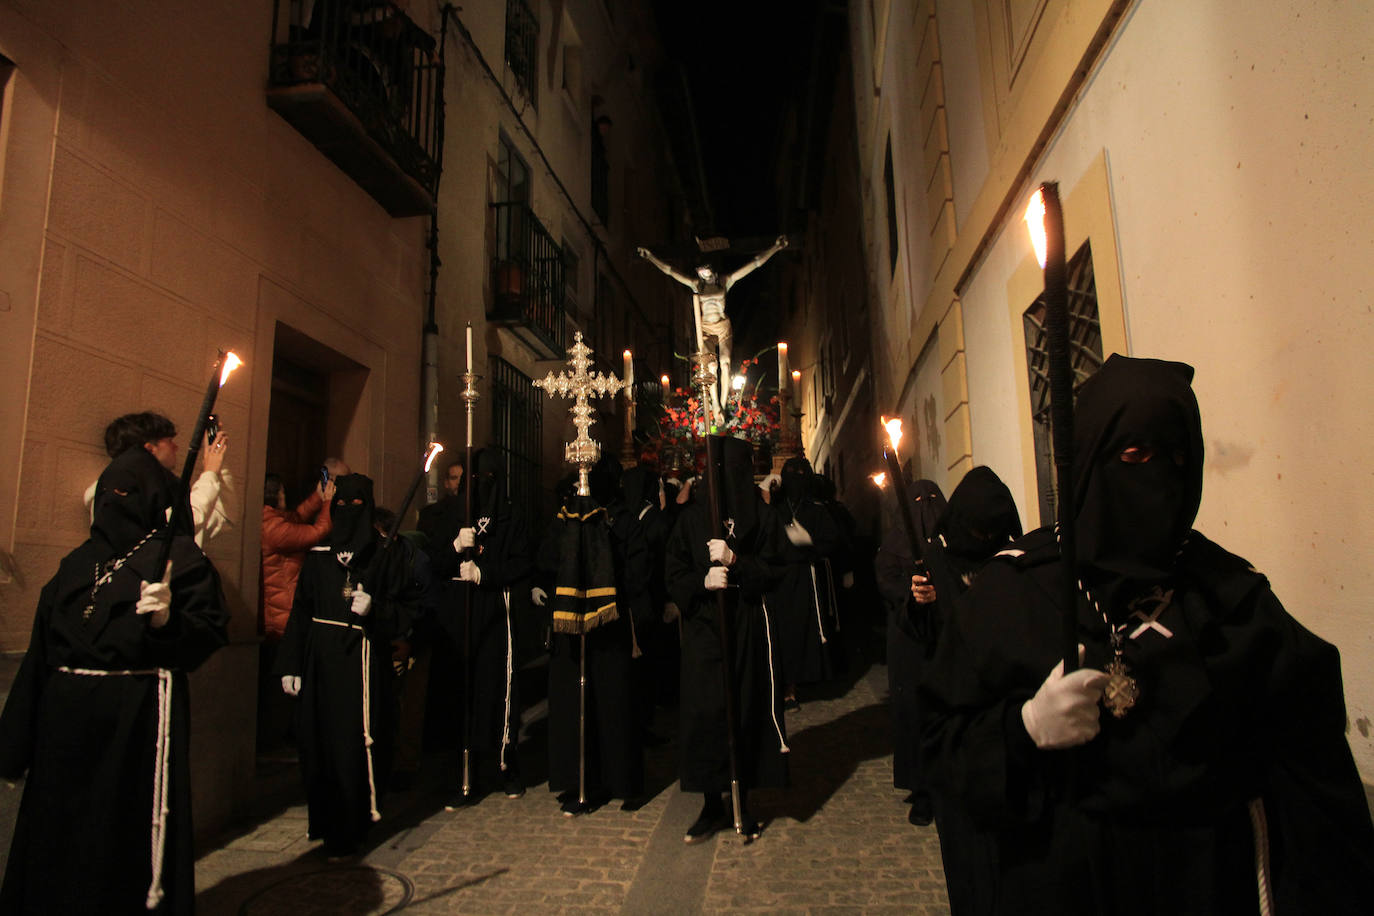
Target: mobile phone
(211,428)
(324,476)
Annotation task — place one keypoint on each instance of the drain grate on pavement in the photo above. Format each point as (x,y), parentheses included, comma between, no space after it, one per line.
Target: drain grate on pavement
(351,891)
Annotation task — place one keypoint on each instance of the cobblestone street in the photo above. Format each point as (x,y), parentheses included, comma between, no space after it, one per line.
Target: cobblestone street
(836,841)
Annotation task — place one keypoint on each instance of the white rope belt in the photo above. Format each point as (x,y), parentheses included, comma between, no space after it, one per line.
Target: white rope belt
(161,764)
(816,599)
(1259,823)
(772,679)
(510,682)
(366,656)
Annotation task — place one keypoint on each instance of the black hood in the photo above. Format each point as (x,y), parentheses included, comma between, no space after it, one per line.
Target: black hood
(488,480)
(740,498)
(796,478)
(1132,517)
(639,485)
(928,509)
(981,517)
(604,479)
(131,499)
(351,515)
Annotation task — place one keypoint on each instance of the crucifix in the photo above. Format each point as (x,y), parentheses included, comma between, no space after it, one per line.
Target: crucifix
(581,386)
(708,308)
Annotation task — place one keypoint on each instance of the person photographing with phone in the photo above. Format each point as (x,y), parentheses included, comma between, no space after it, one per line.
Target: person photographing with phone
(213,491)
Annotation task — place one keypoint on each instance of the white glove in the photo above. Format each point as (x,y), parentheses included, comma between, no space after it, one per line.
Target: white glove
(847,580)
(720,552)
(362,601)
(469,571)
(716,578)
(538,596)
(1064,711)
(798,535)
(155,599)
(291,684)
(467,537)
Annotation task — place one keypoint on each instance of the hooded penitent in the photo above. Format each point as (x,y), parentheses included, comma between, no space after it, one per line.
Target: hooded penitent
(131,499)
(638,486)
(796,485)
(1137,475)
(739,496)
(981,518)
(351,516)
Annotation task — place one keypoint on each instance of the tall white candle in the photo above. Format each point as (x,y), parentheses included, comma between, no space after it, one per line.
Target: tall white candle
(469,347)
(783,377)
(629,374)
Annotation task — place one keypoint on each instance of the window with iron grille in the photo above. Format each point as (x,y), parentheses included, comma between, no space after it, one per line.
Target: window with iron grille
(517,418)
(1085,356)
(522,42)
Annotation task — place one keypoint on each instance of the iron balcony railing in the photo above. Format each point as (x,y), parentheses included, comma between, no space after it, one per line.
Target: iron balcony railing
(386,72)
(527,277)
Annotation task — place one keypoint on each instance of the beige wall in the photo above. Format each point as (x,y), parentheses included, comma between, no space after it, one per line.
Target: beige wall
(1231,144)
(176,214)
(617,57)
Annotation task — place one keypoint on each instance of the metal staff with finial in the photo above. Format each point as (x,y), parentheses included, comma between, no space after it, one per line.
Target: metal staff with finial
(225,364)
(470,398)
(1045,219)
(583,452)
(705,379)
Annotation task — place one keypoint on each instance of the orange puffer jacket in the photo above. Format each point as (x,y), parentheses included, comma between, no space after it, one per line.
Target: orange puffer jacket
(286,536)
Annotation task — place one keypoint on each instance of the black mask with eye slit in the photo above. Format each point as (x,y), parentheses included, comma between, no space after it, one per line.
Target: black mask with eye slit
(1132,516)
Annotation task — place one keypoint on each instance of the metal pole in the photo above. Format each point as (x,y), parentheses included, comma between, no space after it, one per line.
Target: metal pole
(469,402)
(582,724)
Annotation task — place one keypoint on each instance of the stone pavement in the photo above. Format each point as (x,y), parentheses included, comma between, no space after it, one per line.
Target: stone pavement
(836,841)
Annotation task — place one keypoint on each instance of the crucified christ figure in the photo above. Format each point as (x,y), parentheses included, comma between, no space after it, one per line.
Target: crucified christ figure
(708,307)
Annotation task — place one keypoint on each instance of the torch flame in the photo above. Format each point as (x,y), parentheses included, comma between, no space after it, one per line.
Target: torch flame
(894,431)
(431,453)
(880,479)
(231,362)
(1035,222)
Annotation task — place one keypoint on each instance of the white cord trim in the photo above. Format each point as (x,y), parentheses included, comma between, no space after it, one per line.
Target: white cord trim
(510,679)
(816,600)
(367,730)
(772,679)
(1259,823)
(161,767)
(366,656)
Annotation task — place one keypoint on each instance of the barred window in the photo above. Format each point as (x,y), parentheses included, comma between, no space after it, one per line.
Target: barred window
(522,42)
(517,417)
(1085,356)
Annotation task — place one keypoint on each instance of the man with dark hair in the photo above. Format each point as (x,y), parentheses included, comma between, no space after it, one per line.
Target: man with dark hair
(211,493)
(1223,759)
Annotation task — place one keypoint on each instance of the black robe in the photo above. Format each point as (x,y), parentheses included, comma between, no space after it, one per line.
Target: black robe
(760,732)
(1152,815)
(503,555)
(803,609)
(81,841)
(615,766)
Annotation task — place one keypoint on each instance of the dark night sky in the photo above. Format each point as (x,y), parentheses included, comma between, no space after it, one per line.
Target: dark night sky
(744,59)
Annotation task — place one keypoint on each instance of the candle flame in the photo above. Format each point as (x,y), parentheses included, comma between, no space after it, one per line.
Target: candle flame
(738,382)
(431,453)
(782,348)
(880,479)
(894,431)
(1035,222)
(626,354)
(231,362)
(796,375)
(664,380)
